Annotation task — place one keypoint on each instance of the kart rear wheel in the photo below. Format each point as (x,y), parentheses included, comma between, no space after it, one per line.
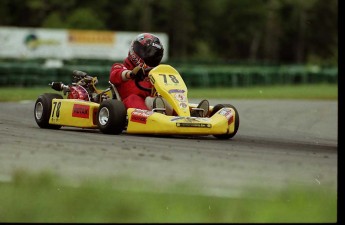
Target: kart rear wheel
(216,108)
(43,107)
(111,116)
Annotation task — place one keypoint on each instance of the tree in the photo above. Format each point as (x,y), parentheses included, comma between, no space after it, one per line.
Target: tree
(287,31)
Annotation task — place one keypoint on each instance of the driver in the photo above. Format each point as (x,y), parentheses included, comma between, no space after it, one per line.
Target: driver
(146,50)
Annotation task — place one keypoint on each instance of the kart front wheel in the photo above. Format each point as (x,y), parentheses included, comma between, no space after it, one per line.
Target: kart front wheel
(216,108)
(111,116)
(43,107)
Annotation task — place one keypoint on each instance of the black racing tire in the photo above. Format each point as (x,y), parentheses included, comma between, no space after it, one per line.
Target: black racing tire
(43,107)
(111,116)
(215,109)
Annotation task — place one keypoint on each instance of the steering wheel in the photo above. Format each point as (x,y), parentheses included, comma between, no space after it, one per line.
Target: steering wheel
(137,80)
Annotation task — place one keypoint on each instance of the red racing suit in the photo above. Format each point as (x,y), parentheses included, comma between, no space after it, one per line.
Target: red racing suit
(131,95)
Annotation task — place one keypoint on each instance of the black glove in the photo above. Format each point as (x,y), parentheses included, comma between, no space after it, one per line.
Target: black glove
(138,73)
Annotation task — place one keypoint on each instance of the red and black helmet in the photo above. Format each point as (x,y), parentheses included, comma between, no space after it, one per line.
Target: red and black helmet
(146,48)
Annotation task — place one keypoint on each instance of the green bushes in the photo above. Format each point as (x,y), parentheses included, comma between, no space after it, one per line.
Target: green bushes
(244,76)
(29,74)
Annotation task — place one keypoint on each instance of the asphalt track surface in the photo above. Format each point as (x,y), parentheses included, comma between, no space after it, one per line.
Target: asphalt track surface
(279,143)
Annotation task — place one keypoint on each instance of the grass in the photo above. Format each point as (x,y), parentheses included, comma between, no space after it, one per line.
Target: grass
(9,94)
(314,91)
(47,198)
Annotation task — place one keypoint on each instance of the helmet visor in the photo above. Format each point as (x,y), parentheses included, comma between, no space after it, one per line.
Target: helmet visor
(151,53)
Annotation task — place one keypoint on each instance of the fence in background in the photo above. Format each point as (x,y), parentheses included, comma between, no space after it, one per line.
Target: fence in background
(28,74)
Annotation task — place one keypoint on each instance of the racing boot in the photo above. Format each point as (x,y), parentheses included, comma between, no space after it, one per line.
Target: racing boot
(201,110)
(158,105)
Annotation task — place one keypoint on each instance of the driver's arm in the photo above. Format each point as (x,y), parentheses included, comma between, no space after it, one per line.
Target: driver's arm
(118,74)
(126,75)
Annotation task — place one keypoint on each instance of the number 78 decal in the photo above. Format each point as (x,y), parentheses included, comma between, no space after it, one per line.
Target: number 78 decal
(172,78)
(57,111)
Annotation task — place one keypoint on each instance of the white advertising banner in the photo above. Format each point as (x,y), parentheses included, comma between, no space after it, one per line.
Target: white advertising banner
(68,44)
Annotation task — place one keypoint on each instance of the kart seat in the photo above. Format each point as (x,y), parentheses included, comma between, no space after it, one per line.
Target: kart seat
(116,94)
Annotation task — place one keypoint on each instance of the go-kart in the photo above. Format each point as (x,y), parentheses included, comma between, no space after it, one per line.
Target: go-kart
(89,107)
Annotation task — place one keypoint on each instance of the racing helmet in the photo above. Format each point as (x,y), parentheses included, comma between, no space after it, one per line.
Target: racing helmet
(146,49)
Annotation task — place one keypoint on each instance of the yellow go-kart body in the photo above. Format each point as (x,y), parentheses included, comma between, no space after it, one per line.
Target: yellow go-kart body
(146,122)
(170,85)
(74,113)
